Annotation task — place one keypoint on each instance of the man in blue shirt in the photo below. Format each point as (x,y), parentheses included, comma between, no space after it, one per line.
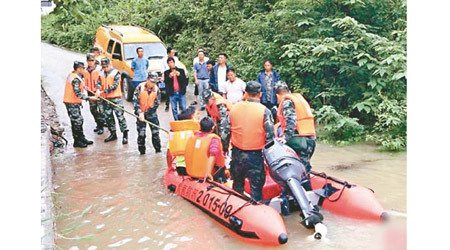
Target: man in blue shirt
(139,67)
(201,75)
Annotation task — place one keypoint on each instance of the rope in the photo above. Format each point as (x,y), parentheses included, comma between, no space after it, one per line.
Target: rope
(128,112)
(342,190)
(247,203)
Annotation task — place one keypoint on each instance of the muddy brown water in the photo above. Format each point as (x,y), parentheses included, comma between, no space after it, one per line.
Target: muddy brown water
(109,197)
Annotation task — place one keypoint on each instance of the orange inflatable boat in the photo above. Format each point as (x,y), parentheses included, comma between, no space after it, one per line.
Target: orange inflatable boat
(349,200)
(250,221)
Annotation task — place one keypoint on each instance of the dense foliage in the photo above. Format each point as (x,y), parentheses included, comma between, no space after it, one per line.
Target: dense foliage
(348,57)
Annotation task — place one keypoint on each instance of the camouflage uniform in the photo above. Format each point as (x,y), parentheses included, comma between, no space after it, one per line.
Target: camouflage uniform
(223,126)
(250,164)
(74,112)
(223,123)
(303,145)
(107,109)
(94,107)
(149,115)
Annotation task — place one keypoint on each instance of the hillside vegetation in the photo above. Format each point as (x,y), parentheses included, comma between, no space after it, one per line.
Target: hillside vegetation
(348,57)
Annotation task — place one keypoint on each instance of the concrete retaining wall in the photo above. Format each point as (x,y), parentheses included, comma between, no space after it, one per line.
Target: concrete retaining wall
(47,207)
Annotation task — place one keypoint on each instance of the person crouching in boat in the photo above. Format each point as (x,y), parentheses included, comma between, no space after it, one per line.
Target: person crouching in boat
(204,153)
(218,108)
(251,129)
(146,99)
(296,123)
(181,131)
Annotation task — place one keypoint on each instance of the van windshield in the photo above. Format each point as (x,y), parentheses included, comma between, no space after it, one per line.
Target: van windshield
(151,50)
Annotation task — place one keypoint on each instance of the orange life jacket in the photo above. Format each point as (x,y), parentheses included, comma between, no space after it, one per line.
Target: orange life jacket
(305,119)
(91,79)
(107,82)
(146,100)
(247,125)
(181,132)
(196,155)
(69,93)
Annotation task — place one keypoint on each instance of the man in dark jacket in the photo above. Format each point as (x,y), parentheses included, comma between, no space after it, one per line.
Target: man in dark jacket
(268,77)
(176,83)
(218,77)
(210,65)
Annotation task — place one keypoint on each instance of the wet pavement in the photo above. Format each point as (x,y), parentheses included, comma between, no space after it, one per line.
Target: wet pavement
(107,196)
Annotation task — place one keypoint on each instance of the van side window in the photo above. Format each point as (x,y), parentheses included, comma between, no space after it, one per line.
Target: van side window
(110,46)
(118,50)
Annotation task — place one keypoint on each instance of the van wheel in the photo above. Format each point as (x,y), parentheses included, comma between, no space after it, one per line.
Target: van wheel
(127,89)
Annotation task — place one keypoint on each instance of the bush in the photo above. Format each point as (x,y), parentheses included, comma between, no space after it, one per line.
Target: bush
(348,57)
(333,126)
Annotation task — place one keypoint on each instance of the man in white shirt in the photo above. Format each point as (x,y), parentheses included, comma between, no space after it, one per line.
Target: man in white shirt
(234,87)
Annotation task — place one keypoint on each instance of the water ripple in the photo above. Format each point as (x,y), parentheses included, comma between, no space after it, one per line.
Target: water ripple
(120,243)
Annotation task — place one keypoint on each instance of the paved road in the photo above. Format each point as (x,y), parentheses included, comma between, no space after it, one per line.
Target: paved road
(56,63)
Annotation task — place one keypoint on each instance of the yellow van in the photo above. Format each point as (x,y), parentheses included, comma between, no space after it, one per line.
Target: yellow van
(119,44)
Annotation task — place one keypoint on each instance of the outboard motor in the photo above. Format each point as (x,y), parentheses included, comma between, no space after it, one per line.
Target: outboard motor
(288,171)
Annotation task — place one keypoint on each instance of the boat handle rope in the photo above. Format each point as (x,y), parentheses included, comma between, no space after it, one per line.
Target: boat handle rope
(247,203)
(128,112)
(342,190)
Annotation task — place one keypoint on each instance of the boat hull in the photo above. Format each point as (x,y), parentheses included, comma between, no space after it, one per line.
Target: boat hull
(350,200)
(249,221)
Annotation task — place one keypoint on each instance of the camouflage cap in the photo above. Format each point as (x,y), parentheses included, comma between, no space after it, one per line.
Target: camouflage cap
(153,76)
(206,94)
(105,61)
(77,64)
(90,57)
(280,85)
(253,87)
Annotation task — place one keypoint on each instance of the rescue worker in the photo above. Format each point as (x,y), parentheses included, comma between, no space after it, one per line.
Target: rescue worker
(146,101)
(108,87)
(204,154)
(91,75)
(251,128)
(73,96)
(181,130)
(218,108)
(297,127)
(97,55)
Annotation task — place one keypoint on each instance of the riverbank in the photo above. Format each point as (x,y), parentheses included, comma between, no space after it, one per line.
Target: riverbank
(51,144)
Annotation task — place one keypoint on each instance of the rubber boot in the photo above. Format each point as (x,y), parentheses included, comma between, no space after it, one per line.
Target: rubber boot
(125,137)
(156,141)
(84,140)
(78,138)
(141,150)
(285,210)
(79,144)
(111,137)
